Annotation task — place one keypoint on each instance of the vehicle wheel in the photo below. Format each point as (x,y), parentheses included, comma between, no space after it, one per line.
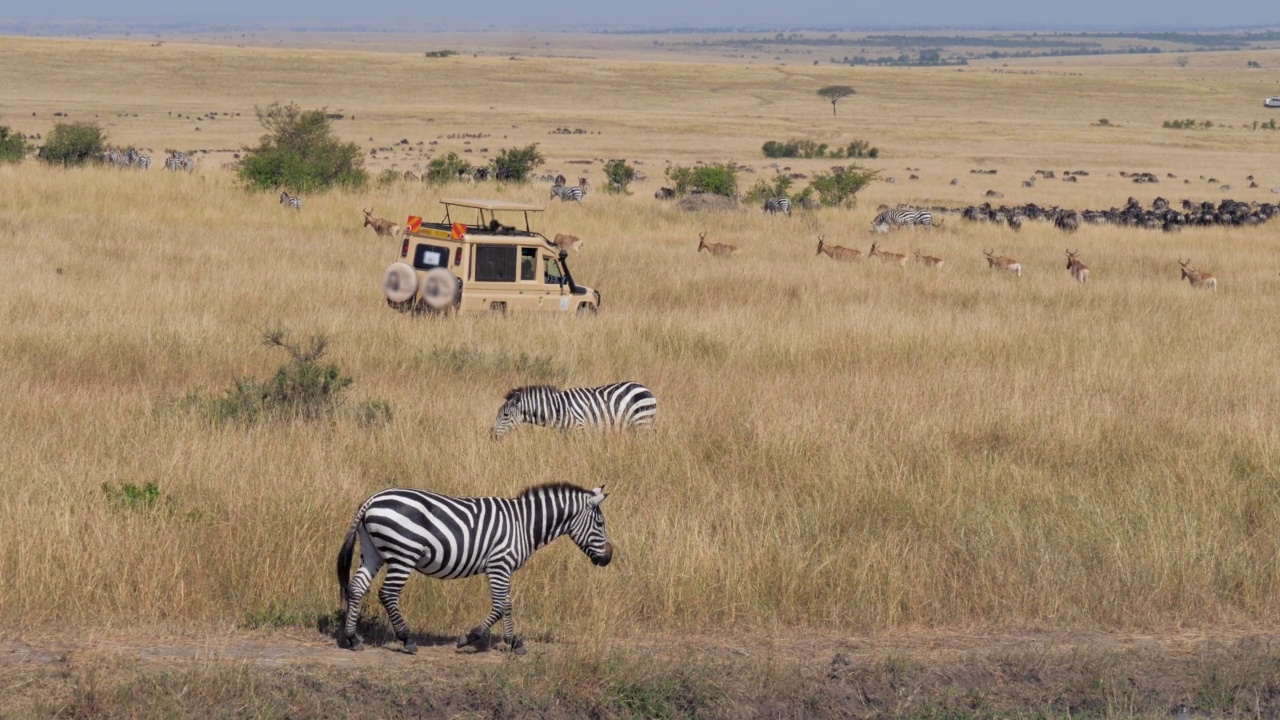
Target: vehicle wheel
(585,309)
(399,282)
(439,288)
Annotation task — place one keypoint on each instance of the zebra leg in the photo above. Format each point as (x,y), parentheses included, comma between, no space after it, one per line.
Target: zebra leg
(499,587)
(370,563)
(392,584)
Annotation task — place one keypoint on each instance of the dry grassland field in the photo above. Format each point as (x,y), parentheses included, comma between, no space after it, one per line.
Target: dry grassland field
(872,490)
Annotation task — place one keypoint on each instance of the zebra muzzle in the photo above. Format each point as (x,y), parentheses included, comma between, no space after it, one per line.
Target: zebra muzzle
(603,558)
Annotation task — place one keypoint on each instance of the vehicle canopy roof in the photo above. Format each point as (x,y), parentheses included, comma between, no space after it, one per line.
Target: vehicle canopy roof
(492,205)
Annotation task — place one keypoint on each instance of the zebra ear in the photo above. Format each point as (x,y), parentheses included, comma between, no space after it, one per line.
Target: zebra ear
(600,495)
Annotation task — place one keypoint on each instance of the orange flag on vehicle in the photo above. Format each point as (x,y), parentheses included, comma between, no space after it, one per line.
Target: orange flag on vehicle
(459,229)
(414,223)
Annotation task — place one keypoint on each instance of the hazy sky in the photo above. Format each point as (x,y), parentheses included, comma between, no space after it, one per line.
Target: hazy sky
(543,15)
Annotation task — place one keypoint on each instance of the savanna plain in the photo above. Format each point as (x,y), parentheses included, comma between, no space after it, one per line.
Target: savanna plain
(872,490)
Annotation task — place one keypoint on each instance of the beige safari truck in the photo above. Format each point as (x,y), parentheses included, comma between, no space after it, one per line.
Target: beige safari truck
(472,261)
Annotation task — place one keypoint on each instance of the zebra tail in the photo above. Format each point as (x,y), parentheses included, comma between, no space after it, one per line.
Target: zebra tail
(344,558)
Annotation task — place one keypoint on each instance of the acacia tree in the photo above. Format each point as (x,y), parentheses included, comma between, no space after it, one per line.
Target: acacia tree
(836,93)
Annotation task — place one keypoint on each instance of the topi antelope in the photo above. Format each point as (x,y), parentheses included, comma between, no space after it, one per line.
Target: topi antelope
(1000,262)
(836,252)
(1079,270)
(929,260)
(380,226)
(888,257)
(567,242)
(720,250)
(1197,278)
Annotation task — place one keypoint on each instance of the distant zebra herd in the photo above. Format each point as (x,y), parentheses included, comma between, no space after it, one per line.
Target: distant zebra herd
(179,160)
(565,193)
(127,158)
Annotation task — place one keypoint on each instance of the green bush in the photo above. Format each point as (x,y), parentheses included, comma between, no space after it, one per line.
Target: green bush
(841,185)
(12,147)
(861,149)
(387,178)
(720,179)
(619,175)
(303,389)
(300,153)
(446,169)
(763,190)
(71,144)
(133,497)
(812,149)
(515,164)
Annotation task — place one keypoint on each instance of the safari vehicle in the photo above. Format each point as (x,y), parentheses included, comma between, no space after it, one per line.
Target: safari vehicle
(473,262)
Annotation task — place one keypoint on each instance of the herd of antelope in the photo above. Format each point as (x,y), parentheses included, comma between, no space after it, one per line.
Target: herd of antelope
(1078,270)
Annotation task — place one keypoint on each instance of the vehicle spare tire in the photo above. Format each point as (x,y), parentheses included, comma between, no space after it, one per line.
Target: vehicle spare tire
(439,288)
(399,282)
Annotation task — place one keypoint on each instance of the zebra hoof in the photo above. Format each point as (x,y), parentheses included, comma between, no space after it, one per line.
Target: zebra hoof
(411,647)
(354,644)
(517,647)
(463,641)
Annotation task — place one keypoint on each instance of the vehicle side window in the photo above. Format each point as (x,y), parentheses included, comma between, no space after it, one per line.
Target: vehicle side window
(426,257)
(528,263)
(496,263)
(552,271)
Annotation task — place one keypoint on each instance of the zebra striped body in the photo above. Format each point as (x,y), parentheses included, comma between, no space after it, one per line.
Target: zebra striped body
(144,162)
(898,218)
(565,193)
(179,160)
(292,201)
(455,537)
(778,205)
(617,406)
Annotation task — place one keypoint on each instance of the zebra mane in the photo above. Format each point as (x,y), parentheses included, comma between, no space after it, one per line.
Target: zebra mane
(516,391)
(538,489)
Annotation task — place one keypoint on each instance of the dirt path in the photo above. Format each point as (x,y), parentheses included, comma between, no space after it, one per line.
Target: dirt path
(301,673)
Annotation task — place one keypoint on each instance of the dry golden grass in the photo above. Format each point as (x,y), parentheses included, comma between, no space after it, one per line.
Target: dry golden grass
(857,447)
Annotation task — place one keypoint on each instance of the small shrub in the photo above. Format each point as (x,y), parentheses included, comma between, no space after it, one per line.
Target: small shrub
(446,169)
(303,389)
(720,179)
(515,164)
(71,144)
(12,147)
(374,413)
(841,185)
(619,174)
(1253,64)
(440,53)
(387,178)
(133,497)
(764,190)
(861,149)
(300,153)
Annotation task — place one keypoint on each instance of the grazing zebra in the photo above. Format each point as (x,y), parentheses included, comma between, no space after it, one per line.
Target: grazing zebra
(292,201)
(144,162)
(456,537)
(617,406)
(894,218)
(566,193)
(179,160)
(777,205)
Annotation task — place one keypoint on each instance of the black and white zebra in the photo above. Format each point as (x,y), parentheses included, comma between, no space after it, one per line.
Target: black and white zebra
(617,406)
(292,201)
(455,537)
(895,218)
(566,193)
(144,162)
(179,160)
(777,205)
